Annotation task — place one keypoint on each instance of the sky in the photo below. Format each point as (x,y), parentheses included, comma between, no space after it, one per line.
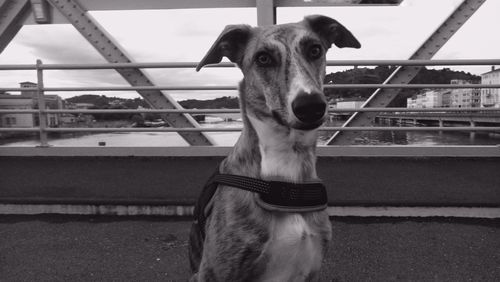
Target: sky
(393,32)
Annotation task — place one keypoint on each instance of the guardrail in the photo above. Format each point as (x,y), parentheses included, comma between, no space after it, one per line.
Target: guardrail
(43,129)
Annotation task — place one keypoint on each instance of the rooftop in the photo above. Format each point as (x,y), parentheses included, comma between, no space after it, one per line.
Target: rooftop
(492,71)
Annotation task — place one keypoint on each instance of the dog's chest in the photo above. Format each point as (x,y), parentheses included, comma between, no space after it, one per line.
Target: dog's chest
(294,251)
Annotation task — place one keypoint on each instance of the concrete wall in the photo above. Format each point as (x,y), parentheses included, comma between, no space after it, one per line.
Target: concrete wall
(368,181)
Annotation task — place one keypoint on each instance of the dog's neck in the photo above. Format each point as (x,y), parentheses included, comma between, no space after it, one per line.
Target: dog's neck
(271,151)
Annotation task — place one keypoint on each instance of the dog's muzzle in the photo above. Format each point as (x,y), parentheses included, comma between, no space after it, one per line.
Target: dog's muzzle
(309,109)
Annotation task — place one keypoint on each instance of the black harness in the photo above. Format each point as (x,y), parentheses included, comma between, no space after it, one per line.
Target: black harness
(273,195)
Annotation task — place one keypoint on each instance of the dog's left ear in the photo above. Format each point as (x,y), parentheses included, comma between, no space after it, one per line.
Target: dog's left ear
(332,31)
(230,43)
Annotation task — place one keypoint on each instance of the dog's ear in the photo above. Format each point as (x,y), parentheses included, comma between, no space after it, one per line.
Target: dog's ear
(230,44)
(332,31)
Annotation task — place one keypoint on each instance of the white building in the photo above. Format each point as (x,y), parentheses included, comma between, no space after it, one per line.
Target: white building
(53,102)
(349,104)
(490,97)
(16,102)
(411,103)
(28,100)
(465,97)
(430,99)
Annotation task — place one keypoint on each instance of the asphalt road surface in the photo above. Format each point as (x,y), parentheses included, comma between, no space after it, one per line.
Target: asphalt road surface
(105,248)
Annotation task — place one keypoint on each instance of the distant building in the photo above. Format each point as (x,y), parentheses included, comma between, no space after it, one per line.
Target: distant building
(430,99)
(67,118)
(83,106)
(465,97)
(30,88)
(354,103)
(490,97)
(16,102)
(116,103)
(411,103)
(28,99)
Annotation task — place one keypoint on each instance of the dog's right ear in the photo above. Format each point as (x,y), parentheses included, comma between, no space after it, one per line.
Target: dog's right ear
(230,44)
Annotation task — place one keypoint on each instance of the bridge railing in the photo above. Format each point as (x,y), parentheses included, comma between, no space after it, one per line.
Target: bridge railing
(42,111)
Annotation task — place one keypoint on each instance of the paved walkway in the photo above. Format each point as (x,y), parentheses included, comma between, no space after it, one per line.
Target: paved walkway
(72,248)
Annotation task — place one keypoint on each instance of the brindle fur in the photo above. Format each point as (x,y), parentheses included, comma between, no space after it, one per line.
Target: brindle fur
(245,242)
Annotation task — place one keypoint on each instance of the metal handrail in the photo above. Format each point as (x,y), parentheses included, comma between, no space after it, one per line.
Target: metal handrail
(237,111)
(231,87)
(236,129)
(478,62)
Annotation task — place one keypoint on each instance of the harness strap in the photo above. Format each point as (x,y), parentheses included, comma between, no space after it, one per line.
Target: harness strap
(278,195)
(272,195)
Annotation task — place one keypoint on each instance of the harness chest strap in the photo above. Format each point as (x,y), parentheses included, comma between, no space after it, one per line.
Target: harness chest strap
(272,195)
(278,195)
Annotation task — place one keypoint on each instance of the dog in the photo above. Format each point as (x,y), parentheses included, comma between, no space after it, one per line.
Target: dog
(282,105)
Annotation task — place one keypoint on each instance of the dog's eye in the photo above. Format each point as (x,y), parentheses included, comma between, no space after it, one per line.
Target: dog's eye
(315,52)
(264,60)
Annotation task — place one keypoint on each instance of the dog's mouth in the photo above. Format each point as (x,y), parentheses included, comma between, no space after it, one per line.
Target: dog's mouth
(307,126)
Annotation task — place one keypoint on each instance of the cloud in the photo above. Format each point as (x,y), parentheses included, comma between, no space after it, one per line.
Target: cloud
(57,44)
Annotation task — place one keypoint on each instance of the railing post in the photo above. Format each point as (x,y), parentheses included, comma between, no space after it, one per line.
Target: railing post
(472,134)
(266,12)
(42,115)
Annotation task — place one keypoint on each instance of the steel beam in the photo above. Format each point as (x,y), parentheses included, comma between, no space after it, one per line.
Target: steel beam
(113,53)
(345,3)
(13,13)
(100,5)
(404,74)
(266,12)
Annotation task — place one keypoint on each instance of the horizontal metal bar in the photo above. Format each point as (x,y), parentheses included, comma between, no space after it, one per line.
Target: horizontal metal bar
(236,111)
(414,86)
(460,62)
(231,87)
(130,88)
(430,128)
(99,5)
(18,67)
(151,111)
(415,110)
(323,3)
(18,111)
(121,129)
(164,65)
(463,62)
(235,129)
(19,129)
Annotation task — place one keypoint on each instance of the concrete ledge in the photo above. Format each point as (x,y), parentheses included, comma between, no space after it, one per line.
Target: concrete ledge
(164,181)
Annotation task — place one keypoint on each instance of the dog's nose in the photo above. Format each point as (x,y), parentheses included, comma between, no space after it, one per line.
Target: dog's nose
(309,108)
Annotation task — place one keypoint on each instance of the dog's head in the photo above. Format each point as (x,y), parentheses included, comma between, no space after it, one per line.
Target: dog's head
(283,67)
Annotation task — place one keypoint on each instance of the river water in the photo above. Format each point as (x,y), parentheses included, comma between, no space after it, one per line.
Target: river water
(160,139)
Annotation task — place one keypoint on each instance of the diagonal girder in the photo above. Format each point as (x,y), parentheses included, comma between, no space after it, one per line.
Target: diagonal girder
(113,53)
(403,75)
(13,13)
